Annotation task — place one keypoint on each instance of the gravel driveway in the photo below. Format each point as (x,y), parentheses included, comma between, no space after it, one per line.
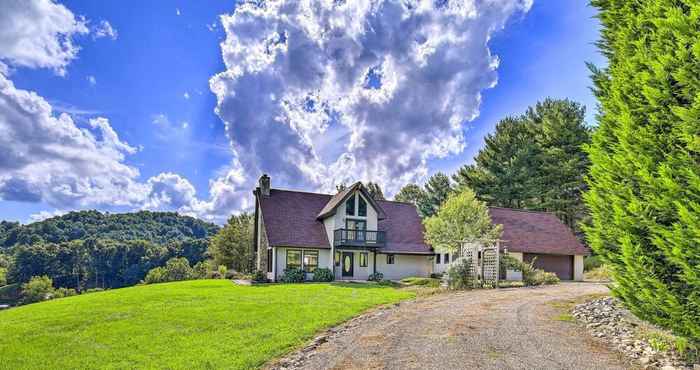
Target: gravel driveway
(484,329)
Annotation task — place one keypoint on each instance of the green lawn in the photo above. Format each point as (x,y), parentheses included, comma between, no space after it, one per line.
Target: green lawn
(193,324)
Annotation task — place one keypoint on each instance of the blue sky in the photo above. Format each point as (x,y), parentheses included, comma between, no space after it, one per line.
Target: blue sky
(150,80)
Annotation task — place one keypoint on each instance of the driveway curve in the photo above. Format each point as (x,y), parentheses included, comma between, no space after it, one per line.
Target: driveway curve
(484,329)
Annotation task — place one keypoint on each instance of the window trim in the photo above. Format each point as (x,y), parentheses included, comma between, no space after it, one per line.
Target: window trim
(390,259)
(364,256)
(301,259)
(305,266)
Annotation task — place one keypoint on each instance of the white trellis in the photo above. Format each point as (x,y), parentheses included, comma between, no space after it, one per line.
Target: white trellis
(484,258)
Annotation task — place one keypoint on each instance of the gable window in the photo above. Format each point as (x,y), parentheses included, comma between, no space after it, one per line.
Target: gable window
(389,259)
(269,260)
(361,207)
(293,258)
(310,261)
(363,259)
(437,259)
(337,258)
(447,258)
(350,206)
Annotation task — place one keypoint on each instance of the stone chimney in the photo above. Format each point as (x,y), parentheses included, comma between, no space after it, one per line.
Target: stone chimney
(264,184)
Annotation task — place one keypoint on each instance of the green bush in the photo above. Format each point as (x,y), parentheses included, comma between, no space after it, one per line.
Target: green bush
(64,292)
(39,288)
(436,275)
(259,276)
(377,276)
(155,275)
(508,262)
(591,262)
(323,274)
(459,274)
(3,276)
(222,270)
(293,275)
(644,180)
(201,270)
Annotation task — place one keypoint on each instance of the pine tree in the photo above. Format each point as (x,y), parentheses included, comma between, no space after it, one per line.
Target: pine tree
(375,191)
(645,175)
(410,193)
(437,190)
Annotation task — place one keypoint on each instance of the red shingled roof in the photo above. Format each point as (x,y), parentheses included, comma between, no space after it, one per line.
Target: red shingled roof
(535,232)
(290,221)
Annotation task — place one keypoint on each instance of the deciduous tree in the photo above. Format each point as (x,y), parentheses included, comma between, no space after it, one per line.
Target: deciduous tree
(232,245)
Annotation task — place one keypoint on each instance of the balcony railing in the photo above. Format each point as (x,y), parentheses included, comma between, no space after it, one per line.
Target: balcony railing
(359,238)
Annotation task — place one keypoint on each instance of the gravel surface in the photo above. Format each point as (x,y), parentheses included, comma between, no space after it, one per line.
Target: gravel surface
(484,329)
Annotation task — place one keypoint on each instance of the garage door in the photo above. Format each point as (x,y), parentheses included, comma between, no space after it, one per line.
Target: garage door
(563,266)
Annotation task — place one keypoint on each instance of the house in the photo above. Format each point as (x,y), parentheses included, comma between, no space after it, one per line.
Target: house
(354,236)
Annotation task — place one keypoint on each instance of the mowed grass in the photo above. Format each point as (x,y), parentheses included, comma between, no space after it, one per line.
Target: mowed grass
(193,324)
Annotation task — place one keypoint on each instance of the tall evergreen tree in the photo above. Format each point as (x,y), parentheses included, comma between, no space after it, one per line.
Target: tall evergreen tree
(375,190)
(410,193)
(534,161)
(645,176)
(437,190)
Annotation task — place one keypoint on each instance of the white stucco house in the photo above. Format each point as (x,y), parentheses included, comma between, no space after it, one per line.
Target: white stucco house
(354,236)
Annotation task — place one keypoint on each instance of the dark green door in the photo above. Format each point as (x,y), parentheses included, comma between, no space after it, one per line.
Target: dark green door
(348,264)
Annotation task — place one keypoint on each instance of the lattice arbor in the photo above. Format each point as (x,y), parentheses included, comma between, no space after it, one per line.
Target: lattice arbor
(484,257)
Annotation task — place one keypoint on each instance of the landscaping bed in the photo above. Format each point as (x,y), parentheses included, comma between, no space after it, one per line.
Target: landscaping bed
(644,344)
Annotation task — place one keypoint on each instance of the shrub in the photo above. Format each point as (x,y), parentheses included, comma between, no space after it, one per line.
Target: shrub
(377,276)
(508,262)
(259,276)
(155,275)
(222,269)
(436,275)
(3,276)
(201,270)
(94,290)
(39,288)
(178,269)
(550,278)
(601,273)
(293,275)
(232,274)
(459,274)
(323,274)
(215,275)
(64,292)
(591,262)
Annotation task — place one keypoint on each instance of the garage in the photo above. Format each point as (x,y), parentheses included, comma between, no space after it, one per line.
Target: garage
(561,265)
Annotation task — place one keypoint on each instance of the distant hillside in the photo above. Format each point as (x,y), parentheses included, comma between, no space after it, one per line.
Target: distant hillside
(155,227)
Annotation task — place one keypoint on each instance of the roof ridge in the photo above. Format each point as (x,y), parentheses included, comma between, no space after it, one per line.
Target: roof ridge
(524,210)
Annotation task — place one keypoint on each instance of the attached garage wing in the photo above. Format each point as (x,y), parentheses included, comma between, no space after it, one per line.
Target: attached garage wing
(561,265)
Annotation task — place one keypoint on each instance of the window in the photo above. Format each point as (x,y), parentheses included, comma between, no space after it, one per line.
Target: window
(447,258)
(337,258)
(437,258)
(361,207)
(389,259)
(310,261)
(293,258)
(363,259)
(350,206)
(269,260)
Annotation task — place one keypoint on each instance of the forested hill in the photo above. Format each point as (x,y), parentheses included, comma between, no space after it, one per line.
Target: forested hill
(156,227)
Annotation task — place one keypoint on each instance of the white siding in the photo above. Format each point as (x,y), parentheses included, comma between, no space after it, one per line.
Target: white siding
(359,273)
(324,260)
(578,267)
(404,266)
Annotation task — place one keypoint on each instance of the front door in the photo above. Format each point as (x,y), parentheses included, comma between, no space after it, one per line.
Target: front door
(348,264)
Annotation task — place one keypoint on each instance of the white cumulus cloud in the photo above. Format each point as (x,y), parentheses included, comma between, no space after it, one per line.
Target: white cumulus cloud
(39,34)
(321,92)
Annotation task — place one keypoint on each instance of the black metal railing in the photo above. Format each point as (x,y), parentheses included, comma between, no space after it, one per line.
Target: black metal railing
(359,238)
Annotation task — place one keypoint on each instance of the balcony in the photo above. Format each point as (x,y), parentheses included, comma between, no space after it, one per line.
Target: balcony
(359,238)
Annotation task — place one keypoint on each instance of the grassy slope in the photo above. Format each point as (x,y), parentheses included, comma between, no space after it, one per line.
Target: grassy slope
(193,324)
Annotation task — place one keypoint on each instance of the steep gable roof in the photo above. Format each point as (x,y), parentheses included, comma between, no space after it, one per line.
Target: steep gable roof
(535,232)
(342,196)
(290,220)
